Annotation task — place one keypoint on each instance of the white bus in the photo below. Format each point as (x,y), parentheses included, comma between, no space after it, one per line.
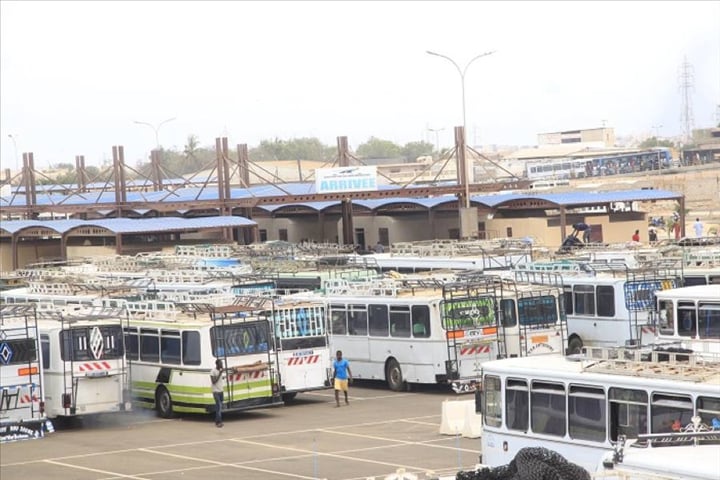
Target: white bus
(689,316)
(607,304)
(22,402)
(302,342)
(693,453)
(427,331)
(579,406)
(172,350)
(83,362)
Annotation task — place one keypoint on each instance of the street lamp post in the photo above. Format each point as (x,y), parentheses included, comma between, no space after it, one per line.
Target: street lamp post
(13,137)
(437,137)
(462,73)
(156,129)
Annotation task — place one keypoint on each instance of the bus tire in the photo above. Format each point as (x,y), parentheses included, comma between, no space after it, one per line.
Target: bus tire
(575,345)
(289,396)
(163,402)
(393,376)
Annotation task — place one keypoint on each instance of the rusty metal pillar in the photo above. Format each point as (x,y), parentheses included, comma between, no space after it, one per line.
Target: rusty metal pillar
(118,243)
(14,248)
(33,183)
(682,216)
(121,164)
(343,152)
(81,173)
(467,215)
(155,170)
(116,181)
(226,172)
(348,229)
(243,164)
(63,247)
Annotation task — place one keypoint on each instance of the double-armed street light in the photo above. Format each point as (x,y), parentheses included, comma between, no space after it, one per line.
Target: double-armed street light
(462,72)
(156,129)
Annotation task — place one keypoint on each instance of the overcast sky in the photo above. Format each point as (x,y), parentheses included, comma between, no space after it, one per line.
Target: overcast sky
(74,76)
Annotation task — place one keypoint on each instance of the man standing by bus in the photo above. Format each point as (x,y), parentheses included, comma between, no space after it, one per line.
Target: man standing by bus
(341,377)
(217,390)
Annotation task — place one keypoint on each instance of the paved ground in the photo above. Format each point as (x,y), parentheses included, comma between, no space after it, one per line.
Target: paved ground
(379,432)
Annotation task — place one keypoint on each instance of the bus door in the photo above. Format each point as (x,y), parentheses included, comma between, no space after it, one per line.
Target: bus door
(302,347)
(93,371)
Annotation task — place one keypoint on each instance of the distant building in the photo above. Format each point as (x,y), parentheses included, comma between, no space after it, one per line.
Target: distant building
(598,137)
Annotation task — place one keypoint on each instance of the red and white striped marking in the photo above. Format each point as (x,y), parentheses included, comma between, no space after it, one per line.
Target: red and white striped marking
(307,360)
(95,366)
(29,399)
(474,350)
(247,375)
(648,329)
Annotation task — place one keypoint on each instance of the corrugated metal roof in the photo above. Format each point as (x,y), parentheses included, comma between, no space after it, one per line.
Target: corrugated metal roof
(579,198)
(130,225)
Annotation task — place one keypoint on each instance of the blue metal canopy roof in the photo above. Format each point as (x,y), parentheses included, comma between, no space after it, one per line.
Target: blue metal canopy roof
(130,225)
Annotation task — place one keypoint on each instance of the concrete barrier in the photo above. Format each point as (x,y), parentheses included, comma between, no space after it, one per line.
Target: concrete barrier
(473,422)
(452,418)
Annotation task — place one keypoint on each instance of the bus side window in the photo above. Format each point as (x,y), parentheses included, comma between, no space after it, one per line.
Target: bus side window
(687,321)
(132,346)
(492,401)
(667,318)
(709,320)
(170,347)
(420,321)
(191,348)
(584,299)
(708,408)
(547,408)
(378,320)
(338,320)
(357,320)
(628,412)
(45,349)
(517,415)
(586,407)
(670,413)
(400,321)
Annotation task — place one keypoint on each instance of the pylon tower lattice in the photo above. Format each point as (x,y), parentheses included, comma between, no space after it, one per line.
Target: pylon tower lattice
(686,78)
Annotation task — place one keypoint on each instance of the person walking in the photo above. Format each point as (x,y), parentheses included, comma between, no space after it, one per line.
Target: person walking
(216,381)
(698,226)
(636,236)
(379,248)
(341,377)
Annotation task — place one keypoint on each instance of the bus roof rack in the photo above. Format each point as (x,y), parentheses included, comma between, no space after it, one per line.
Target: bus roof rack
(657,362)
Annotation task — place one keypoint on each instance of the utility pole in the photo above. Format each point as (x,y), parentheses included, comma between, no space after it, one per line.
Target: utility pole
(686,77)
(437,137)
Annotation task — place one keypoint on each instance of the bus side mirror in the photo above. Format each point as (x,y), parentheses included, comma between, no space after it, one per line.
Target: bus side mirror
(478,401)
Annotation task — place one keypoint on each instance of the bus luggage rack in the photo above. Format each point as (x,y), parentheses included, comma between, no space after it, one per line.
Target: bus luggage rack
(16,310)
(646,362)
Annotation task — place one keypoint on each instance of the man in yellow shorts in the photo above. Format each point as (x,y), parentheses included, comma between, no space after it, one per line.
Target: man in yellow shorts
(341,377)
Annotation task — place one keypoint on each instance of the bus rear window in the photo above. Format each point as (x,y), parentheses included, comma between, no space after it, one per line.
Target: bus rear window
(242,339)
(91,343)
(19,350)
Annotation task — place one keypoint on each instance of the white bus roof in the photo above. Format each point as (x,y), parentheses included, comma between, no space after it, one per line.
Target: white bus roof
(560,368)
(676,462)
(700,292)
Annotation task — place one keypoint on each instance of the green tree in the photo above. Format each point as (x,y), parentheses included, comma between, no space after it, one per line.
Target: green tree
(656,142)
(295,149)
(412,150)
(378,148)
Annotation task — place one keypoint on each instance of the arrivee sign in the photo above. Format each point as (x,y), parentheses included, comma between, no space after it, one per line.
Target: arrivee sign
(345,179)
